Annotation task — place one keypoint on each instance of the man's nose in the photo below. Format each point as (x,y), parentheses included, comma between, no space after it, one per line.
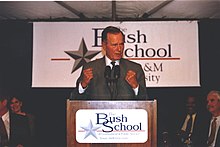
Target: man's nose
(119,47)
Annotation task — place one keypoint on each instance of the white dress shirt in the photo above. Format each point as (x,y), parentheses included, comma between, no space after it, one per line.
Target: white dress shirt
(186,121)
(6,121)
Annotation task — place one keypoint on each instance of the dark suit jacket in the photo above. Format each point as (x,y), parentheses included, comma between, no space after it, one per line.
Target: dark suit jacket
(200,130)
(217,143)
(19,131)
(98,89)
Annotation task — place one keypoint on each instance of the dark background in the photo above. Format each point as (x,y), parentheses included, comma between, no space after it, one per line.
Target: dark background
(49,104)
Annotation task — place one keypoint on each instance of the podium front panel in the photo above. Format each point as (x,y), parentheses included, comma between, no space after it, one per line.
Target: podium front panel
(77,108)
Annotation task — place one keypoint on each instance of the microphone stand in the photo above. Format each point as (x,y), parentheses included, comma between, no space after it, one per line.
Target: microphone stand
(114,79)
(108,78)
(114,88)
(111,77)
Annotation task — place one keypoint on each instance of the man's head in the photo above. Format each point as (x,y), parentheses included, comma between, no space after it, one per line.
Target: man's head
(3,105)
(191,104)
(113,42)
(213,102)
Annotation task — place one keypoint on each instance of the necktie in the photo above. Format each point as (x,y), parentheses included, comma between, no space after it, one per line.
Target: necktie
(3,134)
(113,64)
(213,130)
(114,82)
(189,126)
(113,69)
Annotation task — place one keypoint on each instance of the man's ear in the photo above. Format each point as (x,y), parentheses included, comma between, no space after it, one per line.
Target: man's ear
(104,48)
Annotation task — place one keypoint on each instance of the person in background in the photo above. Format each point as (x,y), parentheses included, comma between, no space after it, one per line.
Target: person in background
(191,126)
(14,128)
(101,80)
(213,106)
(16,105)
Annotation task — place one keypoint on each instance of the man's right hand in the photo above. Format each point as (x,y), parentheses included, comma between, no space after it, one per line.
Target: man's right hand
(87,76)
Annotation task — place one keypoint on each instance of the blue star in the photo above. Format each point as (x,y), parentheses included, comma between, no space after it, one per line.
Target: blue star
(90,130)
(81,56)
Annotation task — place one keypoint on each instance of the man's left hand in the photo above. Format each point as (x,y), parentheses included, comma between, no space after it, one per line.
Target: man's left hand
(131,78)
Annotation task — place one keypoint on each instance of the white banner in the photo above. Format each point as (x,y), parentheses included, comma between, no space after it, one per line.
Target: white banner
(111,126)
(167,50)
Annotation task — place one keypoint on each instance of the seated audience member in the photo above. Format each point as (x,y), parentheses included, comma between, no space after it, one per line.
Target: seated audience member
(213,106)
(14,129)
(191,126)
(16,107)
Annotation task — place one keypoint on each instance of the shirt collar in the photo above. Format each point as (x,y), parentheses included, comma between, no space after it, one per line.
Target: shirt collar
(108,62)
(193,115)
(218,118)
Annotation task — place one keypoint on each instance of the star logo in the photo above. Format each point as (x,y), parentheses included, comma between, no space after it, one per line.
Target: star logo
(81,56)
(90,130)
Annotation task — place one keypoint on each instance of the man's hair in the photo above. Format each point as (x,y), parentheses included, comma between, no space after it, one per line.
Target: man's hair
(112,30)
(215,92)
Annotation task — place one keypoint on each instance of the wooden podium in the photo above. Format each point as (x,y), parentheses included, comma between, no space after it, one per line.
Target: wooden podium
(74,105)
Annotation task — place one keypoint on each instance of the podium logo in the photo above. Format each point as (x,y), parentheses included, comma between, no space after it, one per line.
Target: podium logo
(90,130)
(111,126)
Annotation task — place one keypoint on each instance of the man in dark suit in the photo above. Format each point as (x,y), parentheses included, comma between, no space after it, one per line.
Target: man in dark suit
(103,80)
(14,129)
(213,106)
(192,126)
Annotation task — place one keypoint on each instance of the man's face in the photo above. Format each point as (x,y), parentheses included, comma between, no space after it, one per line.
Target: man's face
(114,46)
(213,103)
(191,105)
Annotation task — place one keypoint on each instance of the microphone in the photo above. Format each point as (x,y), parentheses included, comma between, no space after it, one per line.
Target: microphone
(111,76)
(107,73)
(117,72)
